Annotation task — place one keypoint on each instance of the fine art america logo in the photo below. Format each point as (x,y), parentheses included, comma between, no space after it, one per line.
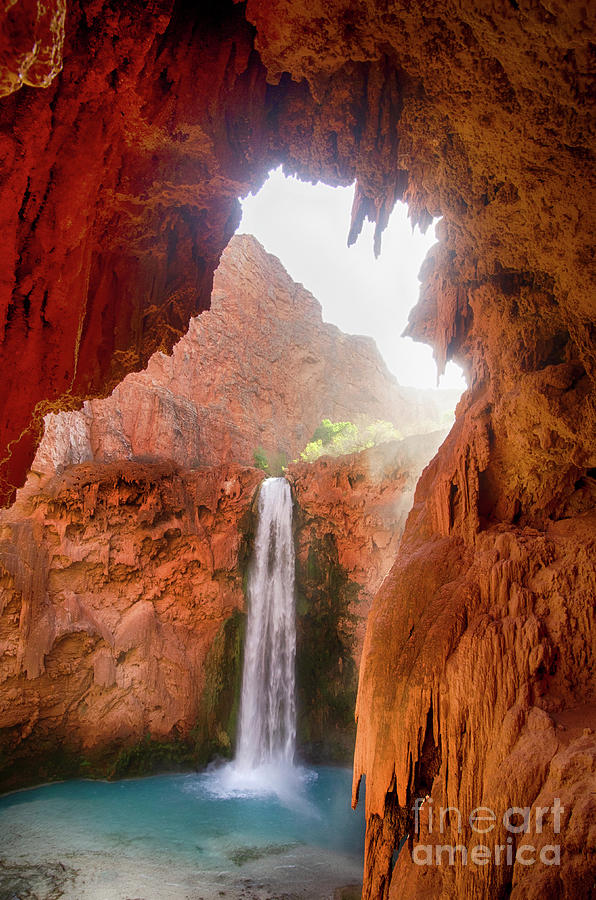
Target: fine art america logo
(516,821)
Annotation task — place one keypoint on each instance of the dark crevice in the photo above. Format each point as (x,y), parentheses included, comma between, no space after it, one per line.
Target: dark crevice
(453,504)
(26,195)
(429,759)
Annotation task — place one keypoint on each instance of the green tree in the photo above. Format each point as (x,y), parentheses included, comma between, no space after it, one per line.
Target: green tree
(338,438)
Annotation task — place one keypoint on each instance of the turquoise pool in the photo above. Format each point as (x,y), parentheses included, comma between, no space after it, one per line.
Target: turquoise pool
(183,836)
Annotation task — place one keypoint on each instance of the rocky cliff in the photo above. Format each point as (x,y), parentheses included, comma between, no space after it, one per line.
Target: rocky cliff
(119,193)
(350,515)
(135,526)
(486,622)
(122,607)
(120,587)
(259,370)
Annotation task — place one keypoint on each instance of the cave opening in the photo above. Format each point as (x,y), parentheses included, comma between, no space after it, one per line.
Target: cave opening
(124,557)
(145,501)
(306,224)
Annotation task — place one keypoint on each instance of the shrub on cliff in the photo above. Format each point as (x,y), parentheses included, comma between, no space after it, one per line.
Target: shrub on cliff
(338,438)
(260,459)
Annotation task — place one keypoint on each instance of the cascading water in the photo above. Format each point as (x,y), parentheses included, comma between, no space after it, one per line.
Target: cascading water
(268,709)
(264,762)
(281,831)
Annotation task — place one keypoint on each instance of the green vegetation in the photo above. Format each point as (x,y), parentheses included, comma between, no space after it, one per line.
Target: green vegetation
(272,463)
(151,755)
(338,438)
(260,459)
(215,731)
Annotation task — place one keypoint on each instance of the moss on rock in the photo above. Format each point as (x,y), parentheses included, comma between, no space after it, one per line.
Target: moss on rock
(152,755)
(215,732)
(326,674)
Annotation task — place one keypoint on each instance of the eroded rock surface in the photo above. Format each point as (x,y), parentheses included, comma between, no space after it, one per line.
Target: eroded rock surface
(118,201)
(361,501)
(350,515)
(119,192)
(124,557)
(258,371)
(123,607)
(488,629)
(118,582)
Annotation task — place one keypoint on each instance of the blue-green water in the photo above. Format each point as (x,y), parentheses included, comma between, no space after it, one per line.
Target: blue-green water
(201,830)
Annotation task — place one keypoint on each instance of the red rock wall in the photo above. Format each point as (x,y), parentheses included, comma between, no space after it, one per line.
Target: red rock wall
(31,44)
(123,177)
(480,643)
(90,168)
(119,586)
(475,112)
(361,501)
(259,369)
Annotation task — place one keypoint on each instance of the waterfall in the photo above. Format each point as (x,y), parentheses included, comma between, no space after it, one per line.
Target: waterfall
(267,706)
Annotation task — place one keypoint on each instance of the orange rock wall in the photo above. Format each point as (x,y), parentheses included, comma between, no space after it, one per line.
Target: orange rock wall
(115,583)
(350,515)
(361,501)
(475,112)
(119,585)
(123,177)
(480,643)
(260,368)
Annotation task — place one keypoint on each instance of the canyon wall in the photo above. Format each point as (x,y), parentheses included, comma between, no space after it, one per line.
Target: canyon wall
(124,558)
(119,187)
(119,583)
(122,607)
(258,371)
(489,644)
(350,515)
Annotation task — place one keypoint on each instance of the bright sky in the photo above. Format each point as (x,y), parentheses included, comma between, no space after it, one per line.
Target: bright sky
(306,226)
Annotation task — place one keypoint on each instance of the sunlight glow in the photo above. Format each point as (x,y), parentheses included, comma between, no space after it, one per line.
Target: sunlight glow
(306,226)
